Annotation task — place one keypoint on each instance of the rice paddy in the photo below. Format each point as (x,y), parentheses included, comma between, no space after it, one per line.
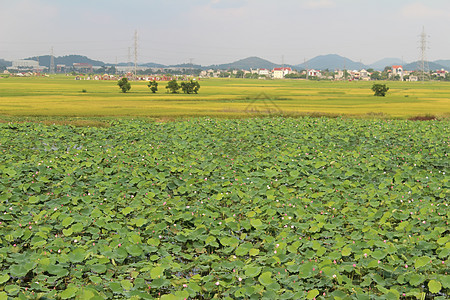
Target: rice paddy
(62,96)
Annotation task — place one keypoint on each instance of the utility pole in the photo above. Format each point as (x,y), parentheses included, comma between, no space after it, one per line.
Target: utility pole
(129,59)
(304,63)
(135,52)
(52,63)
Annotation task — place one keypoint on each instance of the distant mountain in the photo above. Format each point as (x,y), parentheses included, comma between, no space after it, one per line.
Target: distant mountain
(246,64)
(152,65)
(432,65)
(186,66)
(444,63)
(5,63)
(381,64)
(67,60)
(331,62)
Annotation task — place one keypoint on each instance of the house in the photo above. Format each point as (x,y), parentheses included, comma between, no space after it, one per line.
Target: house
(364,75)
(279,73)
(441,73)
(263,72)
(398,70)
(314,73)
(83,67)
(339,75)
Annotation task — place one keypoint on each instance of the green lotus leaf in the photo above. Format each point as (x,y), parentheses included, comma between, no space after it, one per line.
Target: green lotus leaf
(126,284)
(134,250)
(69,292)
(422,261)
(67,221)
(12,289)
(116,287)
(266,278)
(4,278)
(434,286)
(77,255)
(157,272)
(416,279)
(312,294)
(252,271)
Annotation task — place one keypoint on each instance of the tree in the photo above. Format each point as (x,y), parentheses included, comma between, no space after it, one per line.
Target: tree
(153,85)
(376,75)
(124,85)
(173,86)
(190,87)
(380,89)
(240,74)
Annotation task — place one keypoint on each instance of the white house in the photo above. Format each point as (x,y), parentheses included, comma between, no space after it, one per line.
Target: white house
(314,73)
(279,73)
(398,70)
(264,72)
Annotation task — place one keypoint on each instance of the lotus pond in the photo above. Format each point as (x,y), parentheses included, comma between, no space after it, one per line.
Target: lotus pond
(271,208)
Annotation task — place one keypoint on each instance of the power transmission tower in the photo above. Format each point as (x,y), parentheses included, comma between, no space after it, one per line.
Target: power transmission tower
(135,52)
(424,68)
(52,63)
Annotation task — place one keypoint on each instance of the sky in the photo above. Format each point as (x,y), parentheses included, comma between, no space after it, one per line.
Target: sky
(222,31)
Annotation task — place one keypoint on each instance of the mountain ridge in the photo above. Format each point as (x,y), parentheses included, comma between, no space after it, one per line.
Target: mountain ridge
(320,62)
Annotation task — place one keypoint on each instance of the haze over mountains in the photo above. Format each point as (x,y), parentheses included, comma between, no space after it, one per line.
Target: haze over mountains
(321,62)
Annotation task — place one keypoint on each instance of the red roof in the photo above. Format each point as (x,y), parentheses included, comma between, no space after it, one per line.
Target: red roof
(397,67)
(282,69)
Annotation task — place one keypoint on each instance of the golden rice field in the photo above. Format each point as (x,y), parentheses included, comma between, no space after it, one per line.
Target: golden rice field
(62,96)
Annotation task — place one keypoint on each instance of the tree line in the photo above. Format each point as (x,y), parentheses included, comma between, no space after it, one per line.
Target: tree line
(172,87)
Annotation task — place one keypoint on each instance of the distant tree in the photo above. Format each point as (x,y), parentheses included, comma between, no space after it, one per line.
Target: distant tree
(111,70)
(190,87)
(124,85)
(376,75)
(447,77)
(380,89)
(173,86)
(240,74)
(385,73)
(153,85)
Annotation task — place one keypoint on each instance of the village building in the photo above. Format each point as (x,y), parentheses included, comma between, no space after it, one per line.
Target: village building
(314,73)
(398,70)
(279,73)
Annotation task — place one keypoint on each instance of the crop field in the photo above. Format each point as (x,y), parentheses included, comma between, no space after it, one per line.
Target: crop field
(62,96)
(202,208)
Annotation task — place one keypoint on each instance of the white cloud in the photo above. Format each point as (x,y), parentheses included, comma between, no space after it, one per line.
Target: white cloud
(420,10)
(319,4)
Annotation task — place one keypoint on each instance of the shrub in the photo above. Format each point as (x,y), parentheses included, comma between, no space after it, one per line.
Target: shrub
(124,85)
(190,87)
(380,89)
(153,85)
(173,86)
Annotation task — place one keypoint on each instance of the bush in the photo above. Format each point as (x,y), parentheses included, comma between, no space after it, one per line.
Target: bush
(380,89)
(124,85)
(173,86)
(153,85)
(190,87)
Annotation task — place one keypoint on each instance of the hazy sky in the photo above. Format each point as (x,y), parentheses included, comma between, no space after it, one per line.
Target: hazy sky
(222,31)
